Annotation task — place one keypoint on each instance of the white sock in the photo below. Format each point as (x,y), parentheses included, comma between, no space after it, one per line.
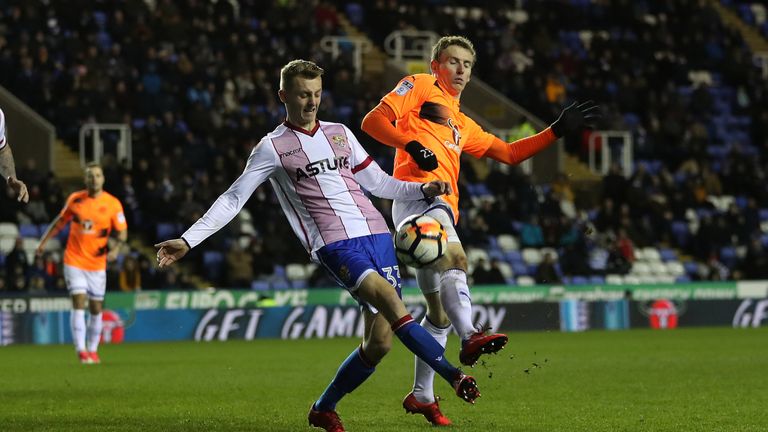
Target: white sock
(425,376)
(454,295)
(77,325)
(94,332)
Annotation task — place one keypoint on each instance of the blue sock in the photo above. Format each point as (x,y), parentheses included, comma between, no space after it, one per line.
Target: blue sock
(350,375)
(421,343)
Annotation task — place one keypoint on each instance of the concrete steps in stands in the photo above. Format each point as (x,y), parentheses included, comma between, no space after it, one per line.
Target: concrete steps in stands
(375,60)
(66,163)
(754,40)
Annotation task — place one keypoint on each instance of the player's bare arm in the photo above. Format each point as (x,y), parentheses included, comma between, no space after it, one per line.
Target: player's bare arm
(170,251)
(52,229)
(122,240)
(8,171)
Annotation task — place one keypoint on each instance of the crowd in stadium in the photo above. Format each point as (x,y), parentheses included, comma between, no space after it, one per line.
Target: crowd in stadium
(197,82)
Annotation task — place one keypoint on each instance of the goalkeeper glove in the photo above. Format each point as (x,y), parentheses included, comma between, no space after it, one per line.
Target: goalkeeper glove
(424,157)
(576,117)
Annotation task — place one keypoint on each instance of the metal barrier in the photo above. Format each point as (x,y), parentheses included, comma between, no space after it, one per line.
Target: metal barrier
(410,44)
(761,58)
(360,45)
(606,156)
(124,147)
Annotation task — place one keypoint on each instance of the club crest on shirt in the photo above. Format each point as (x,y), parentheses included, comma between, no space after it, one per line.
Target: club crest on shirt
(344,273)
(339,140)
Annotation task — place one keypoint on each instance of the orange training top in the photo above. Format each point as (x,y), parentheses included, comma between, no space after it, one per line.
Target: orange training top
(431,116)
(92,221)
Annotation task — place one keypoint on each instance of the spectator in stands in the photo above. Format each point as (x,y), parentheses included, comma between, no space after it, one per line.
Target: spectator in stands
(130,275)
(16,264)
(531,234)
(546,272)
(485,274)
(239,264)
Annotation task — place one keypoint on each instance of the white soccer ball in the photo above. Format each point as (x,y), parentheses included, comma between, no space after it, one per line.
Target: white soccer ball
(420,240)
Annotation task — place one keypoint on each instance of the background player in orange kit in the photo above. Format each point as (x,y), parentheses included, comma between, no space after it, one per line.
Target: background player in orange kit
(94,213)
(430,133)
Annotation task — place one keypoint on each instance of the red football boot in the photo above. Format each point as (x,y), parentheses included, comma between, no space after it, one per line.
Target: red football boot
(94,357)
(429,410)
(478,344)
(327,420)
(84,357)
(466,388)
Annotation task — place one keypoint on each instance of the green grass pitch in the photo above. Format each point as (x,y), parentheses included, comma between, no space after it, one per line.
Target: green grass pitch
(708,379)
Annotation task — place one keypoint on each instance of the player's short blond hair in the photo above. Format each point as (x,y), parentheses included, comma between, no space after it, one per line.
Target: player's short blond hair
(93,164)
(446,41)
(303,68)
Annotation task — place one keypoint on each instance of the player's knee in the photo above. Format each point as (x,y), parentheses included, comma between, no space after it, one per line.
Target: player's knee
(458,260)
(377,348)
(438,317)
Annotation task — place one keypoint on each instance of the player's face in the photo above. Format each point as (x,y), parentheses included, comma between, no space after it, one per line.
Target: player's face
(302,99)
(454,68)
(94,179)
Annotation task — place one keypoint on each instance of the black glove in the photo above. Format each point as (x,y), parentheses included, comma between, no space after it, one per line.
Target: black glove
(424,157)
(576,117)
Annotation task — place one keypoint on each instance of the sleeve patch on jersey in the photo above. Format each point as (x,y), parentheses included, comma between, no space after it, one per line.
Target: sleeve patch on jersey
(404,88)
(121,217)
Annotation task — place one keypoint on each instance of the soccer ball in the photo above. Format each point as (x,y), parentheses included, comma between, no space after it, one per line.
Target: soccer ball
(420,240)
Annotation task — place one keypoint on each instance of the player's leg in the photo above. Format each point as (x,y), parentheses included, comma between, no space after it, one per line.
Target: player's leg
(360,364)
(367,266)
(376,291)
(456,299)
(77,286)
(97,285)
(437,324)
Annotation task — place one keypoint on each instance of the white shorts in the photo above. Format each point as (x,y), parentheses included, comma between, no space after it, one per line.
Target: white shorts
(92,283)
(436,208)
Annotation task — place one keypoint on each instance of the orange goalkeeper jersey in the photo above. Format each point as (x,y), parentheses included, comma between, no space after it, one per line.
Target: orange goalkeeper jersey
(431,116)
(92,221)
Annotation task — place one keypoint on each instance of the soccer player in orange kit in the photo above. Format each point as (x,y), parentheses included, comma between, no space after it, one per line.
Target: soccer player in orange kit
(94,213)
(421,118)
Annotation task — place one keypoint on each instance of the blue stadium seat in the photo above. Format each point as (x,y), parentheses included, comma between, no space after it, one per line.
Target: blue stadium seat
(513,257)
(213,261)
(29,230)
(299,284)
(691,267)
(281,284)
(597,280)
(519,268)
(166,231)
(682,279)
(579,280)
(680,232)
(259,285)
(667,254)
(728,256)
(279,271)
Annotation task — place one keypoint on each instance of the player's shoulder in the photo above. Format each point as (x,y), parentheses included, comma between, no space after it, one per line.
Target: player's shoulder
(421,79)
(77,196)
(325,125)
(111,198)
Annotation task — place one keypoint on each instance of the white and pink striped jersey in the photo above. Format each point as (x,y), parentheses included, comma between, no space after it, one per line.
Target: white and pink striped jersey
(317,176)
(3,139)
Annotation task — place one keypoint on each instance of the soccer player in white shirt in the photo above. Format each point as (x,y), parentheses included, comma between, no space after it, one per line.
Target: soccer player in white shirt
(317,170)
(7,166)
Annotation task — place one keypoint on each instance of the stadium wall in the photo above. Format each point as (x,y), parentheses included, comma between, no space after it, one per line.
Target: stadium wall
(223,314)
